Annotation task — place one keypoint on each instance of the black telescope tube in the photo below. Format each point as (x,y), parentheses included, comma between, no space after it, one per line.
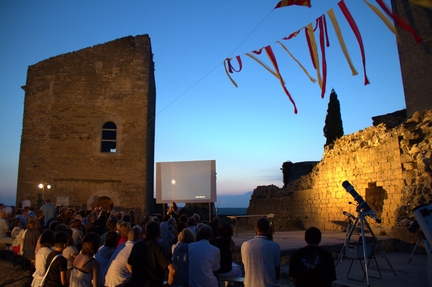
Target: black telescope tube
(361,203)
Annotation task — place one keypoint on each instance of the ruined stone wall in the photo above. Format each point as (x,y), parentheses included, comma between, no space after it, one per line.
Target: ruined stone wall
(68,99)
(390,169)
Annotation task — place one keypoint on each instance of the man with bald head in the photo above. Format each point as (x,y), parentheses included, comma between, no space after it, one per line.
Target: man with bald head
(261,258)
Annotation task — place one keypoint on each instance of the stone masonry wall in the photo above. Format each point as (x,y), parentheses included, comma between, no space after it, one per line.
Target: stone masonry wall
(415,59)
(68,98)
(390,169)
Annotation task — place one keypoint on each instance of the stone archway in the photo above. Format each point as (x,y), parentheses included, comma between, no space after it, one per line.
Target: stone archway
(104,202)
(103,198)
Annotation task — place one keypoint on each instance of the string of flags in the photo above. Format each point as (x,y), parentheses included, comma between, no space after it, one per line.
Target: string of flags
(317,55)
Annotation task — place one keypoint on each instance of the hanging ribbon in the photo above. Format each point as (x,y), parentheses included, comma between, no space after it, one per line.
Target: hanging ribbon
(301,66)
(285,3)
(399,21)
(323,32)
(341,40)
(231,68)
(272,58)
(262,63)
(310,37)
(382,16)
(356,31)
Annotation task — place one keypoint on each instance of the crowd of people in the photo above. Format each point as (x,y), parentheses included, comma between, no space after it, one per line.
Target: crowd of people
(95,247)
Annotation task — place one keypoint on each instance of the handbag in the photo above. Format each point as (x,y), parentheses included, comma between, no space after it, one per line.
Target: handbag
(42,283)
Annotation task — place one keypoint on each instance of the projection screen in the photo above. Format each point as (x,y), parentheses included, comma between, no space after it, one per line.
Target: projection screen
(186,181)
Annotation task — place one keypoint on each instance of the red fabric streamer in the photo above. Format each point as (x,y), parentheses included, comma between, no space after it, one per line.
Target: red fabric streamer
(292,35)
(356,31)
(258,52)
(231,68)
(272,58)
(310,47)
(320,24)
(285,3)
(399,21)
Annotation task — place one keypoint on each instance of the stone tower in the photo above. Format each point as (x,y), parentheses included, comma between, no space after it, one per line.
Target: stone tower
(415,59)
(89,127)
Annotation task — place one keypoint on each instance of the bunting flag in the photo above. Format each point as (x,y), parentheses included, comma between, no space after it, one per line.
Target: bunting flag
(285,3)
(231,69)
(338,31)
(381,15)
(356,31)
(399,21)
(310,37)
(321,23)
(262,63)
(424,3)
(301,66)
(272,58)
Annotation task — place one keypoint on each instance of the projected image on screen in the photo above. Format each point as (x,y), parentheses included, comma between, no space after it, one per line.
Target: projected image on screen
(186,181)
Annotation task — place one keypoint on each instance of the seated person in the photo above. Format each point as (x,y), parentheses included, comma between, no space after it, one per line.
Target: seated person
(312,265)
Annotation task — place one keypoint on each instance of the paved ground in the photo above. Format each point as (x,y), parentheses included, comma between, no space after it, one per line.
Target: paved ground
(412,274)
(407,275)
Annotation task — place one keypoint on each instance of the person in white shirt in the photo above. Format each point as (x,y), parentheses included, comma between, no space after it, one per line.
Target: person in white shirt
(204,259)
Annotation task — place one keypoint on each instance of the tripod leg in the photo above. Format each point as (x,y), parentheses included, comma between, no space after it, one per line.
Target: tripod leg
(412,253)
(349,232)
(365,257)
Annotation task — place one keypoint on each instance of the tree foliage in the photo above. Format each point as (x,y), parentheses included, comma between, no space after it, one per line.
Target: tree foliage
(333,128)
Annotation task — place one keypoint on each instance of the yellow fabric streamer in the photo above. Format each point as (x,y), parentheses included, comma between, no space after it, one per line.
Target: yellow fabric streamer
(382,16)
(301,66)
(226,71)
(341,40)
(314,52)
(264,65)
(424,3)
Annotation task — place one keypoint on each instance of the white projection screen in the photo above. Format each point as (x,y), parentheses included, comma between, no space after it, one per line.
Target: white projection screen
(186,181)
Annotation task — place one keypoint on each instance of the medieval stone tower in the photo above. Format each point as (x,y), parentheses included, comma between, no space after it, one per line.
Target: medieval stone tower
(89,127)
(415,59)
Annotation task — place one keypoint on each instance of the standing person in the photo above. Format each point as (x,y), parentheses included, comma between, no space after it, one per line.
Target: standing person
(261,257)
(46,241)
(312,265)
(49,211)
(30,240)
(25,202)
(56,264)
(173,210)
(4,229)
(85,271)
(117,273)
(204,259)
(148,260)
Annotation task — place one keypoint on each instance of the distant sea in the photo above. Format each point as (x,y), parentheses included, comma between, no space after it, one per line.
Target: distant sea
(232,210)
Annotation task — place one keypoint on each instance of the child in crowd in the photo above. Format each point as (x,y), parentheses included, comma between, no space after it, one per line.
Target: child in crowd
(56,264)
(70,253)
(46,241)
(16,235)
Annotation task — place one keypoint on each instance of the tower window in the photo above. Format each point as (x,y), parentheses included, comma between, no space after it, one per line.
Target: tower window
(109,137)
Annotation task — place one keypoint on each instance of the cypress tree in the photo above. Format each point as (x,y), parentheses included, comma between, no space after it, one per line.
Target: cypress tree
(333,128)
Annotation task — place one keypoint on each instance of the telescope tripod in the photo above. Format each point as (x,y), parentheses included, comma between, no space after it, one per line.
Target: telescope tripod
(367,244)
(421,236)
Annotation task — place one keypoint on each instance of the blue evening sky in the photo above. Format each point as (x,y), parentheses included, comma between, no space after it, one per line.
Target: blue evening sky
(250,130)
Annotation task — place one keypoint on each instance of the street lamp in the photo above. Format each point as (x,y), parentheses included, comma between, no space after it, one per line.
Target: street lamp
(42,186)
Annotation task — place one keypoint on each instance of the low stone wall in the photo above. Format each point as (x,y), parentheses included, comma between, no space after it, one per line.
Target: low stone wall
(389,168)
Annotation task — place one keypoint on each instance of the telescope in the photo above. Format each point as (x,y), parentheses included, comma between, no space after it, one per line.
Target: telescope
(362,205)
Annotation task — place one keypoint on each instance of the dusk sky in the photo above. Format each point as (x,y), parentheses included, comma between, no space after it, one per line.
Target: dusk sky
(250,130)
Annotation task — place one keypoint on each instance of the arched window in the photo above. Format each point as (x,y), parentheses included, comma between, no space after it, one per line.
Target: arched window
(109,137)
